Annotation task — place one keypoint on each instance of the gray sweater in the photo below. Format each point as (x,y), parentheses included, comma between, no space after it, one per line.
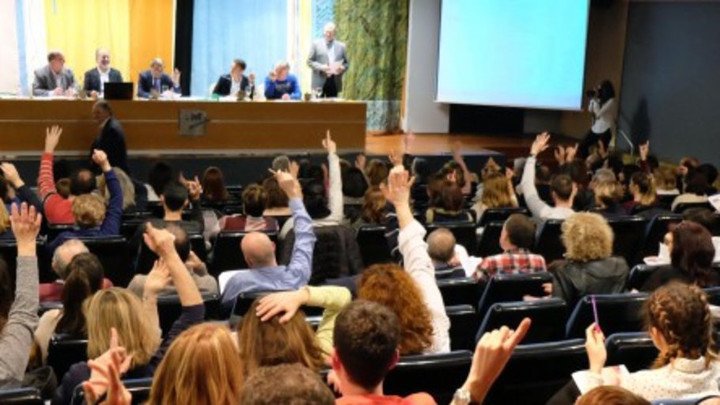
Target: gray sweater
(17,337)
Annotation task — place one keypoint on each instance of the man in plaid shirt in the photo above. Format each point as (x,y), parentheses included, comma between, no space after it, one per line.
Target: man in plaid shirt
(516,238)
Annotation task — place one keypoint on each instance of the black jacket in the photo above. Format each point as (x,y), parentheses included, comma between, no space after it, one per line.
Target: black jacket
(92,79)
(224,83)
(112,141)
(574,280)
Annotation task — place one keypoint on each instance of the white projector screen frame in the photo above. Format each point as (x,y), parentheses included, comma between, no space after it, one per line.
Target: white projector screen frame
(550,77)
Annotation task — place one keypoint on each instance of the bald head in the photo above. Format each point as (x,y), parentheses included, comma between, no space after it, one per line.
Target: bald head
(441,245)
(258,249)
(64,254)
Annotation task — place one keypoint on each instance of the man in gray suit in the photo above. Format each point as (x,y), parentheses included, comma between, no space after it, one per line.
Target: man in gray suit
(54,79)
(328,61)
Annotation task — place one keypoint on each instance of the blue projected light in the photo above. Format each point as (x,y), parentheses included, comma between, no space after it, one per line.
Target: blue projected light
(516,53)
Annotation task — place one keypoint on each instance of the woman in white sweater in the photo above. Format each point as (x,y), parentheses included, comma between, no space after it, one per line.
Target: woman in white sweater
(603,108)
(680,325)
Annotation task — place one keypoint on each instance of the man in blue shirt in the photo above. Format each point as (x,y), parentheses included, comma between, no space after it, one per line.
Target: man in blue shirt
(280,84)
(259,251)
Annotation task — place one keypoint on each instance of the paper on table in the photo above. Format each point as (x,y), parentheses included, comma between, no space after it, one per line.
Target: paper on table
(610,376)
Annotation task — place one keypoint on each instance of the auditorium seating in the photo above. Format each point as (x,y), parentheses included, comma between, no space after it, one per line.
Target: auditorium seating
(682,207)
(64,351)
(512,287)
(113,254)
(489,243)
(634,349)
(463,323)
(8,252)
(243,302)
(655,232)
(629,235)
(226,252)
(374,246)
(548,243)
(21,396)
(536,371)
(146,257)
(547,317)
(500,214)
(457,272)
(459,291)
(713,294)
(170,308)
(639,274)
(616,313)
(465,233)
(437,374)
(139,390)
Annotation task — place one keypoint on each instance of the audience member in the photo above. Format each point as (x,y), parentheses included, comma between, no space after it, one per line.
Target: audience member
(54,79)
(665,181)
(611,395)
(374,209)
(644,196)
(85,278)
(61,258)
(286,384)
(696,189)
(588,267)
(445,253)
(680,325)
(19,322)
(450,207)
(608,195)
(160,175)
(277,200)
(254,200)
(205,283)
(691,258)
(354,185)
(89,212)
(264,273)
(497,192)
(116,317)
(376,172)
(14,190)
(213,186)
(126,186)
(563,189)
(175,198)
(516,239)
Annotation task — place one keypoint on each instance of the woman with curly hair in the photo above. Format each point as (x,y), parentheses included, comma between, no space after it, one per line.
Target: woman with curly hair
(588,267)
(680,325)
(691,257)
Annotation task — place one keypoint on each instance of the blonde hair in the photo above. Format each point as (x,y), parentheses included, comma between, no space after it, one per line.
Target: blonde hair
(586,237)
(118,308)
(665,178)
(126,185)
(271,343)
(4,219)
(88,210)
(496,193)
(607,193)
(200,367)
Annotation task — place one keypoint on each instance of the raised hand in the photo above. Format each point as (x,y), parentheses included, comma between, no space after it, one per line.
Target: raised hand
(644,150)
(286,302)
(540,144)
(491,355)
(52,137)
(397,190)
(25,224)
(395,158)
(571,152)
(361,161)
(602,152)
(559,154)
(11,174)
(160,241)
(105,373)
(158,278)
(288,183)
(194,188)
(100,158)
(294,168)
(329,144)
(176,77)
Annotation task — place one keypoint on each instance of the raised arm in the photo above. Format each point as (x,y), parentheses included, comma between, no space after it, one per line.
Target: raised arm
(414,251)
(527,184)
(302,254)
(46,181)
(16,338)
(113,216)
(23,191)
(458,157)
(335,200)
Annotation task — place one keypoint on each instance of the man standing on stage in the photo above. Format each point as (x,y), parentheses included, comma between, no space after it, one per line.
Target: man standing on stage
(111,139)
(328,61)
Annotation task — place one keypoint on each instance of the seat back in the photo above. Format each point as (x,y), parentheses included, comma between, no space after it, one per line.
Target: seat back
(548,243)
(139,389)
(489,243)
(713,295)
(547,317)
(437,374)
(244,301)
(8,252)
(63,352)
(500,214)
(465,233)
(682,207)
(112,251)
(146,258)
(21,396)
(639,274)
(629,237)
(170,308)
(616,313)
(665,200)
(536,371)
(374,247)
(456,272)
(633,349)
(463,323)
(459,291)
(655,231)
(227,254)
(512,287)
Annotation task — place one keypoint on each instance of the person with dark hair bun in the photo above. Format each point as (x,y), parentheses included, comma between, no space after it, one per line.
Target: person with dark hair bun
(603,108)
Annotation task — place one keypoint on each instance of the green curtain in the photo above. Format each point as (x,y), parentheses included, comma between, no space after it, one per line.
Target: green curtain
(376,36)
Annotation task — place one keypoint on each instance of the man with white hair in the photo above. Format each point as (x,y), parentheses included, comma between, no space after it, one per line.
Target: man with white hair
(96,78)
(328,61)
(63,255)
(156,81)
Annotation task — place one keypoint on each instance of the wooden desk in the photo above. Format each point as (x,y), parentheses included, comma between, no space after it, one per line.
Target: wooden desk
(151,127)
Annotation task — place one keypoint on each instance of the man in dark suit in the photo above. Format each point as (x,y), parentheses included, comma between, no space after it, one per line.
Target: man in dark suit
(155,81)
(54,79)
(96,78)
(111,139)
(232,83)
(328,61)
